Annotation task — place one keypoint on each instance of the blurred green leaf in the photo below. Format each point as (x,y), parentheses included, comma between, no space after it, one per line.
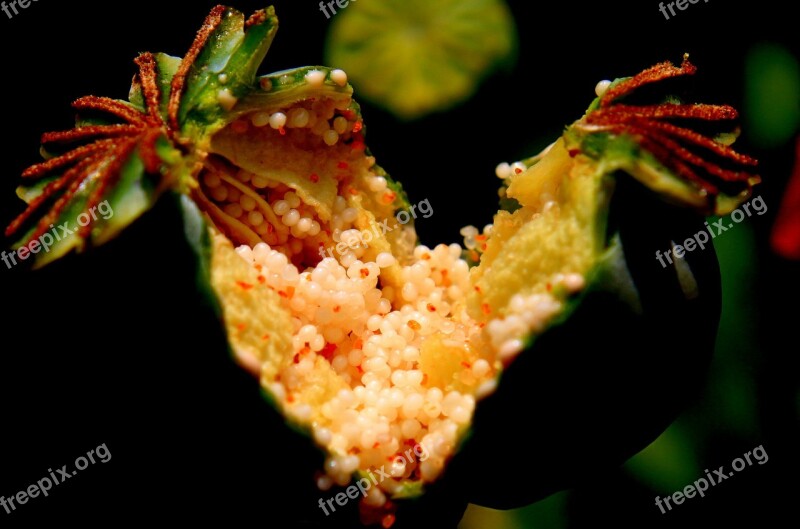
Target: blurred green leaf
(417,56)
(478,517)
(670,462)
(550,513)
(731,398)
(772,92)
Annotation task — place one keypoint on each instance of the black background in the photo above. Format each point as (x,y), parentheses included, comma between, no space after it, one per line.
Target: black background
(119,348)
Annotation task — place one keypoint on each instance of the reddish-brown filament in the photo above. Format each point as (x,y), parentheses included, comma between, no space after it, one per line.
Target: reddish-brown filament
(672,144)
(109,147)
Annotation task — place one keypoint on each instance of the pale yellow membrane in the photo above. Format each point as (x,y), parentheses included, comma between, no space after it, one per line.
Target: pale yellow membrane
(552,234)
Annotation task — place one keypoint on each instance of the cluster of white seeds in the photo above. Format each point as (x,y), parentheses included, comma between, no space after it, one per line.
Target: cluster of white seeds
(475,240)
(274,211)
(371,334)
(319,117)
(340,314)
(526,313)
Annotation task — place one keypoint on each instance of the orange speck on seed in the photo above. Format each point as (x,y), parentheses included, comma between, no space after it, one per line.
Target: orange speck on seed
(358,126)
(480,238)
(314,177)
(477,289)
(376,445)
(282,294)
(364,272)
(239,126)
(328,350)
(486,309)
(245,286)
(353,191)
(484,246)
(426,257)
(265,337)
(290,291)
(358,344)
(517,170)
(431,308)
(414,325)
(262,279)
(389,197)
(466,364)
(549,287)
(337,308)
(241,326)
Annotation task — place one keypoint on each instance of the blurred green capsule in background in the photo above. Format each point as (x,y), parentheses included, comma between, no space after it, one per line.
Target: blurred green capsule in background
(419,56)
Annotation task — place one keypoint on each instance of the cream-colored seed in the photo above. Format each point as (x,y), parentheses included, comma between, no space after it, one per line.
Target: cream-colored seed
(281,207)
(315,78)
(320,127)
(330,137)
(243,176)
(291,218)
(298,117)
(219,193)
(339,77)
(234,210)
(292,199)
(255,218)
(211,180)
(340,125)
(247,202)
(259,119)
(277,120)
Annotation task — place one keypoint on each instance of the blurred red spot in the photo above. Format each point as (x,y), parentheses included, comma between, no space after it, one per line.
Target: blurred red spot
(786,231)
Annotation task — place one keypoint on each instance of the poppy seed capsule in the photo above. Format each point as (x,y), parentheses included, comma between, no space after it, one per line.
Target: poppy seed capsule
(372,343)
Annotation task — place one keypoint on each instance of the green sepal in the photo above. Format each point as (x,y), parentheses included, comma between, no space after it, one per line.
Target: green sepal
(228,62)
